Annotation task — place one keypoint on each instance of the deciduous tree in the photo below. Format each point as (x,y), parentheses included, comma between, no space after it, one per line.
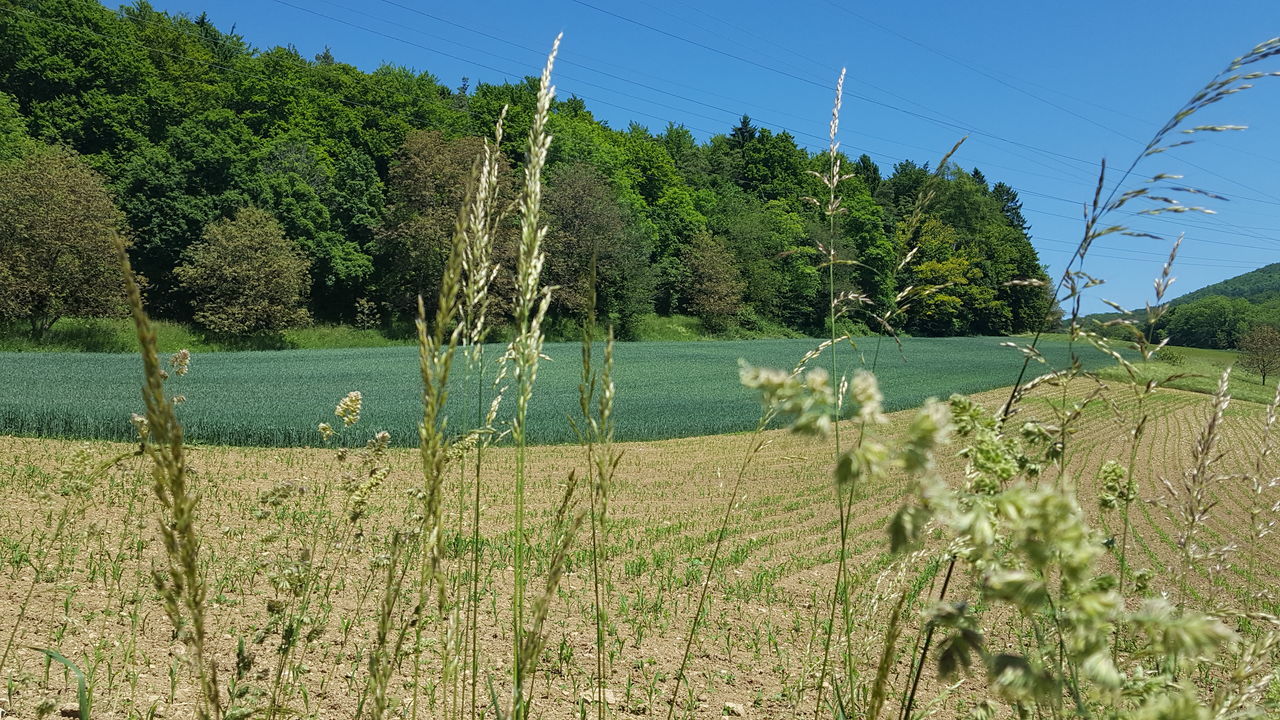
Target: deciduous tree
(587,222)
(427,184)
(58,228)
(714,282)
(245,276)
(1260,350)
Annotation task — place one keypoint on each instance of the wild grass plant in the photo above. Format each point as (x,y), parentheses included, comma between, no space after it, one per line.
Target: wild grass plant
(396,593)
(1028,545)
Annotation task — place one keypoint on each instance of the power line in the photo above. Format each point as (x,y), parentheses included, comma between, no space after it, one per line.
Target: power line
(821,139)
(948,123)
(1181,222)
(504,73)
(808,81)
(1041,99)
(1197,238)
(982,72)
(794,132)
(858,80)
(1095,254)
(1165,255)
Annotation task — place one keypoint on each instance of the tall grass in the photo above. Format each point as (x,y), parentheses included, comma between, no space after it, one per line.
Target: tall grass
(181,585)
(1045,610)
(531,304)
(1193,496)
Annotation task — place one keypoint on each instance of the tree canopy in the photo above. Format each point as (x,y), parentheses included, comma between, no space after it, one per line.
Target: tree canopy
(363,171)
(58,234)
(245,276)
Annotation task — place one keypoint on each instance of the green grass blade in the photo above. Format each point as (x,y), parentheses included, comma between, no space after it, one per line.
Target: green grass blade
(82,691)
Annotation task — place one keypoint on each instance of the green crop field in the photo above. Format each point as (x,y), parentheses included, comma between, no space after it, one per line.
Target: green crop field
(277,398)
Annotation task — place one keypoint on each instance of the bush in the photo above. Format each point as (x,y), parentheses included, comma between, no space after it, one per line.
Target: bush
(247,278)
(845,326)
(58,229)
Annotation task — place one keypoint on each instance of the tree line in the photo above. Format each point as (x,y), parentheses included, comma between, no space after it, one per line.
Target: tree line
(261,188)
(1217,321)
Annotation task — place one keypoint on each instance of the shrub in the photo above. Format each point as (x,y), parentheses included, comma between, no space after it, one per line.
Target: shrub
(246,276)
(57,229)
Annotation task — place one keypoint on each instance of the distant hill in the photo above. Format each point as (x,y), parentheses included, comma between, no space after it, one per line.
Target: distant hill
(1255,286)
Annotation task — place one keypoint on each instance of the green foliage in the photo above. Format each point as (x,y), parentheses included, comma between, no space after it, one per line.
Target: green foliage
(714,283)
(1032,556)
(246,276)
(84,702)
(58,228)
(1256,286)
(428,180)
(365,171)
(590,239)
(14,140)
(974,247)
(870,246)
(1221,314)
(1260,350)
(1213,321)
(1197,370)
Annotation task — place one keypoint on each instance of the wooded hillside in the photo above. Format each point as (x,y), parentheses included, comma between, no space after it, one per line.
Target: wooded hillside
(363,172)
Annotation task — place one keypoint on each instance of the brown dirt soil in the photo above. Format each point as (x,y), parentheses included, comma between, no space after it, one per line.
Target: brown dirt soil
(270,516)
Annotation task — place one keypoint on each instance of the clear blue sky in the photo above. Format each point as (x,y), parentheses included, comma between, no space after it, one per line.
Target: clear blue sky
(1045,90)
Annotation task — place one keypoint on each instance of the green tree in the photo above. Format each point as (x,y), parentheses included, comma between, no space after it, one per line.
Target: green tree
(866,170)
(773,167)
(295,180)
(190,123)
(714,284)
(202,172)
(1210,322)
(866,243)
(1260,350)
(1010,206)
(959,302)
(427,184)
(771,246)
(80,78)
(58,229)
(246,276)
(689,157)
(14,140)
(587,224)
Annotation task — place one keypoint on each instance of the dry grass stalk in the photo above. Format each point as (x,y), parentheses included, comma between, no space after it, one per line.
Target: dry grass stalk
(181,586)
(1260,484)
(1160,190)
(595,400)
(1194,495)
(525,351)
(481,271)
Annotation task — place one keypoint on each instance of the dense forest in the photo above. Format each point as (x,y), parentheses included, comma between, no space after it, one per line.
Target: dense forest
(343,186)
(1216,316)
(1221,314)
(1256,286)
